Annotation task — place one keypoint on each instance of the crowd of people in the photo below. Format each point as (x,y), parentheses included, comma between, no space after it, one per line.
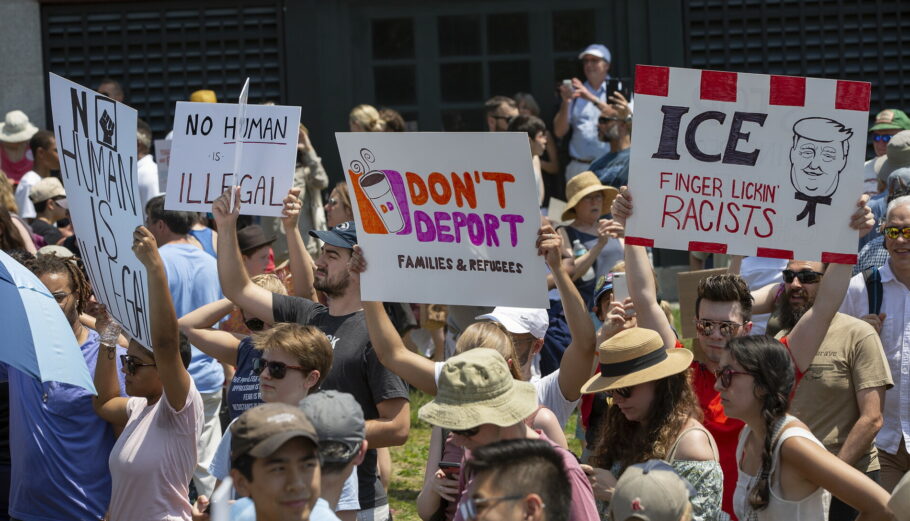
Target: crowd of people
(272,390)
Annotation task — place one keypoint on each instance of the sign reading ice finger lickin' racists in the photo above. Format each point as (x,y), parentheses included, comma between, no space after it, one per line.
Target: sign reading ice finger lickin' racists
(748,164)
(217,146)
(446,218)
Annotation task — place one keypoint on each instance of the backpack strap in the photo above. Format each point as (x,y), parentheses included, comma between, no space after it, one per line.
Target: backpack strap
(874,290)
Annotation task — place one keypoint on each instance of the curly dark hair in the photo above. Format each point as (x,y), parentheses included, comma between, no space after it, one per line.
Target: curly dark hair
(768,361)
(627,442)
(50,263)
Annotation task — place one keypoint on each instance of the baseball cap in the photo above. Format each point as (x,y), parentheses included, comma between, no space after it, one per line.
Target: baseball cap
(520,320)
(596,49)
(343,236)
(604,284)
(897,156)
(45,189)
(650,491)
(337,418)
(263,429)
(891,119)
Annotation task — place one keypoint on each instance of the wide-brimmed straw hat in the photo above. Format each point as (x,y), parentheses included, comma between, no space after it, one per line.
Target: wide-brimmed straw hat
(583,184)
(475,388)
(16,127)
(633,357)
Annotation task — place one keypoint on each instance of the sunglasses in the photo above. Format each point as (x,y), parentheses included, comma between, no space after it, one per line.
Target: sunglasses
(726,328)
(331,201)
(507,119)
(892,232)
(132,364)
(603,120)
(470,507)
(881,139)
(804,276)
(60,297)
(726,375)
(467,433)
(277,370)
(623,392)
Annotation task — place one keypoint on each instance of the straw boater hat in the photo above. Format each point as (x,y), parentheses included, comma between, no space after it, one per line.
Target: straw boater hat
(475,388)
(633,357)
(583,184)
(16,127)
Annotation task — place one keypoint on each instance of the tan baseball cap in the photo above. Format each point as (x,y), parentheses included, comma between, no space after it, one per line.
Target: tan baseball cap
(45,189)
(651,491)
(262,430)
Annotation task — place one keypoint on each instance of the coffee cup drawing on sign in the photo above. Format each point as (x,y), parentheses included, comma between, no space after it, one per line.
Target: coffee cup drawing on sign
(378,190)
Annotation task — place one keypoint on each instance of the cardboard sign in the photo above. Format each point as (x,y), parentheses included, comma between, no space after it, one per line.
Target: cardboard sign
(446,218)
(205,144)
(750,164)
(96,142)
(163,159)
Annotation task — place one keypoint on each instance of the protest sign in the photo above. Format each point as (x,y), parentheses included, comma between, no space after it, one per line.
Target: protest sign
(96,142)
(446,218)
(163,159)
(203,151)
(749,164)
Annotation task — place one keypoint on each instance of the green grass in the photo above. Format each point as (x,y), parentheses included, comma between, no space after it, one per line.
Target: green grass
(409,460)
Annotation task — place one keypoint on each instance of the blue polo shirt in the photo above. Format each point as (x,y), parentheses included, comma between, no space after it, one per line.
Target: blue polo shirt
(192,277)
(58,445)
(583,115)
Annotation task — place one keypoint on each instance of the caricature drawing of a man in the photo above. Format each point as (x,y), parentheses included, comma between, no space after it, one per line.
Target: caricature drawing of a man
(818,156)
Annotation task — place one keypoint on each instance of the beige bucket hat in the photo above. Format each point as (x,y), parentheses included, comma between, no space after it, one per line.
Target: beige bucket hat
(16,127)
(475,388)
(580,186)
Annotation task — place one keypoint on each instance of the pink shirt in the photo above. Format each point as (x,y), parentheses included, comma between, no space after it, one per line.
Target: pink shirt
(583,507)
(153,460)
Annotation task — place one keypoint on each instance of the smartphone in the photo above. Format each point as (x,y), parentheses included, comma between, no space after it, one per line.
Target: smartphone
(450,468)
(616,84)
(621,290)
(567,83)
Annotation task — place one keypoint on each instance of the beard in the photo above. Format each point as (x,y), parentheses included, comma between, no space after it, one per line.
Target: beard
(612,133)
(790,313)
(333,287)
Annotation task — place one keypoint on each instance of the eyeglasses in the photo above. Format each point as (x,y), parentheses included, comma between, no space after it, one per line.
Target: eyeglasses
(882,138)
(623,392)
(507,119)
(603,120)
(804,276)
(132,363)
(892,232)
(726,375)
(467,433)
(471,507)
(726,328)
(277,370)
(60,297)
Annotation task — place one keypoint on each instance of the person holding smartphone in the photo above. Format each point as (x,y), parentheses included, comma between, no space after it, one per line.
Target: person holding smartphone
(580,108)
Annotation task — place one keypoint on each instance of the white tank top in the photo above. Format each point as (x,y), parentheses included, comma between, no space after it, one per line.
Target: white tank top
(813,507)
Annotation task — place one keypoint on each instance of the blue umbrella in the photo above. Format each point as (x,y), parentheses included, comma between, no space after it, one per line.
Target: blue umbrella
(37,337)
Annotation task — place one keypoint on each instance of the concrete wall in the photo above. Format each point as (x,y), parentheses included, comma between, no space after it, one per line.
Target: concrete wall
(22,74)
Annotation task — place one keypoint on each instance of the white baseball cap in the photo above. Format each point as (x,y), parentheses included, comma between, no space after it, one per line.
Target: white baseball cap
(520,320)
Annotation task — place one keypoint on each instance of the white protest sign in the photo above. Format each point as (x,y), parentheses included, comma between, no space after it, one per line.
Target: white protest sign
(750,164)
(163,159)
(203,151)
(96,142)
(446,218)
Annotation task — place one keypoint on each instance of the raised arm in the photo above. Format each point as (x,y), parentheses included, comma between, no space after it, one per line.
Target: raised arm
(640,278)
(299,260)
(390,349)
(165,334)
(575,367)
(235,281)
(561,120)
(584,262)
(198,326)
(108,404)
(808,333)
